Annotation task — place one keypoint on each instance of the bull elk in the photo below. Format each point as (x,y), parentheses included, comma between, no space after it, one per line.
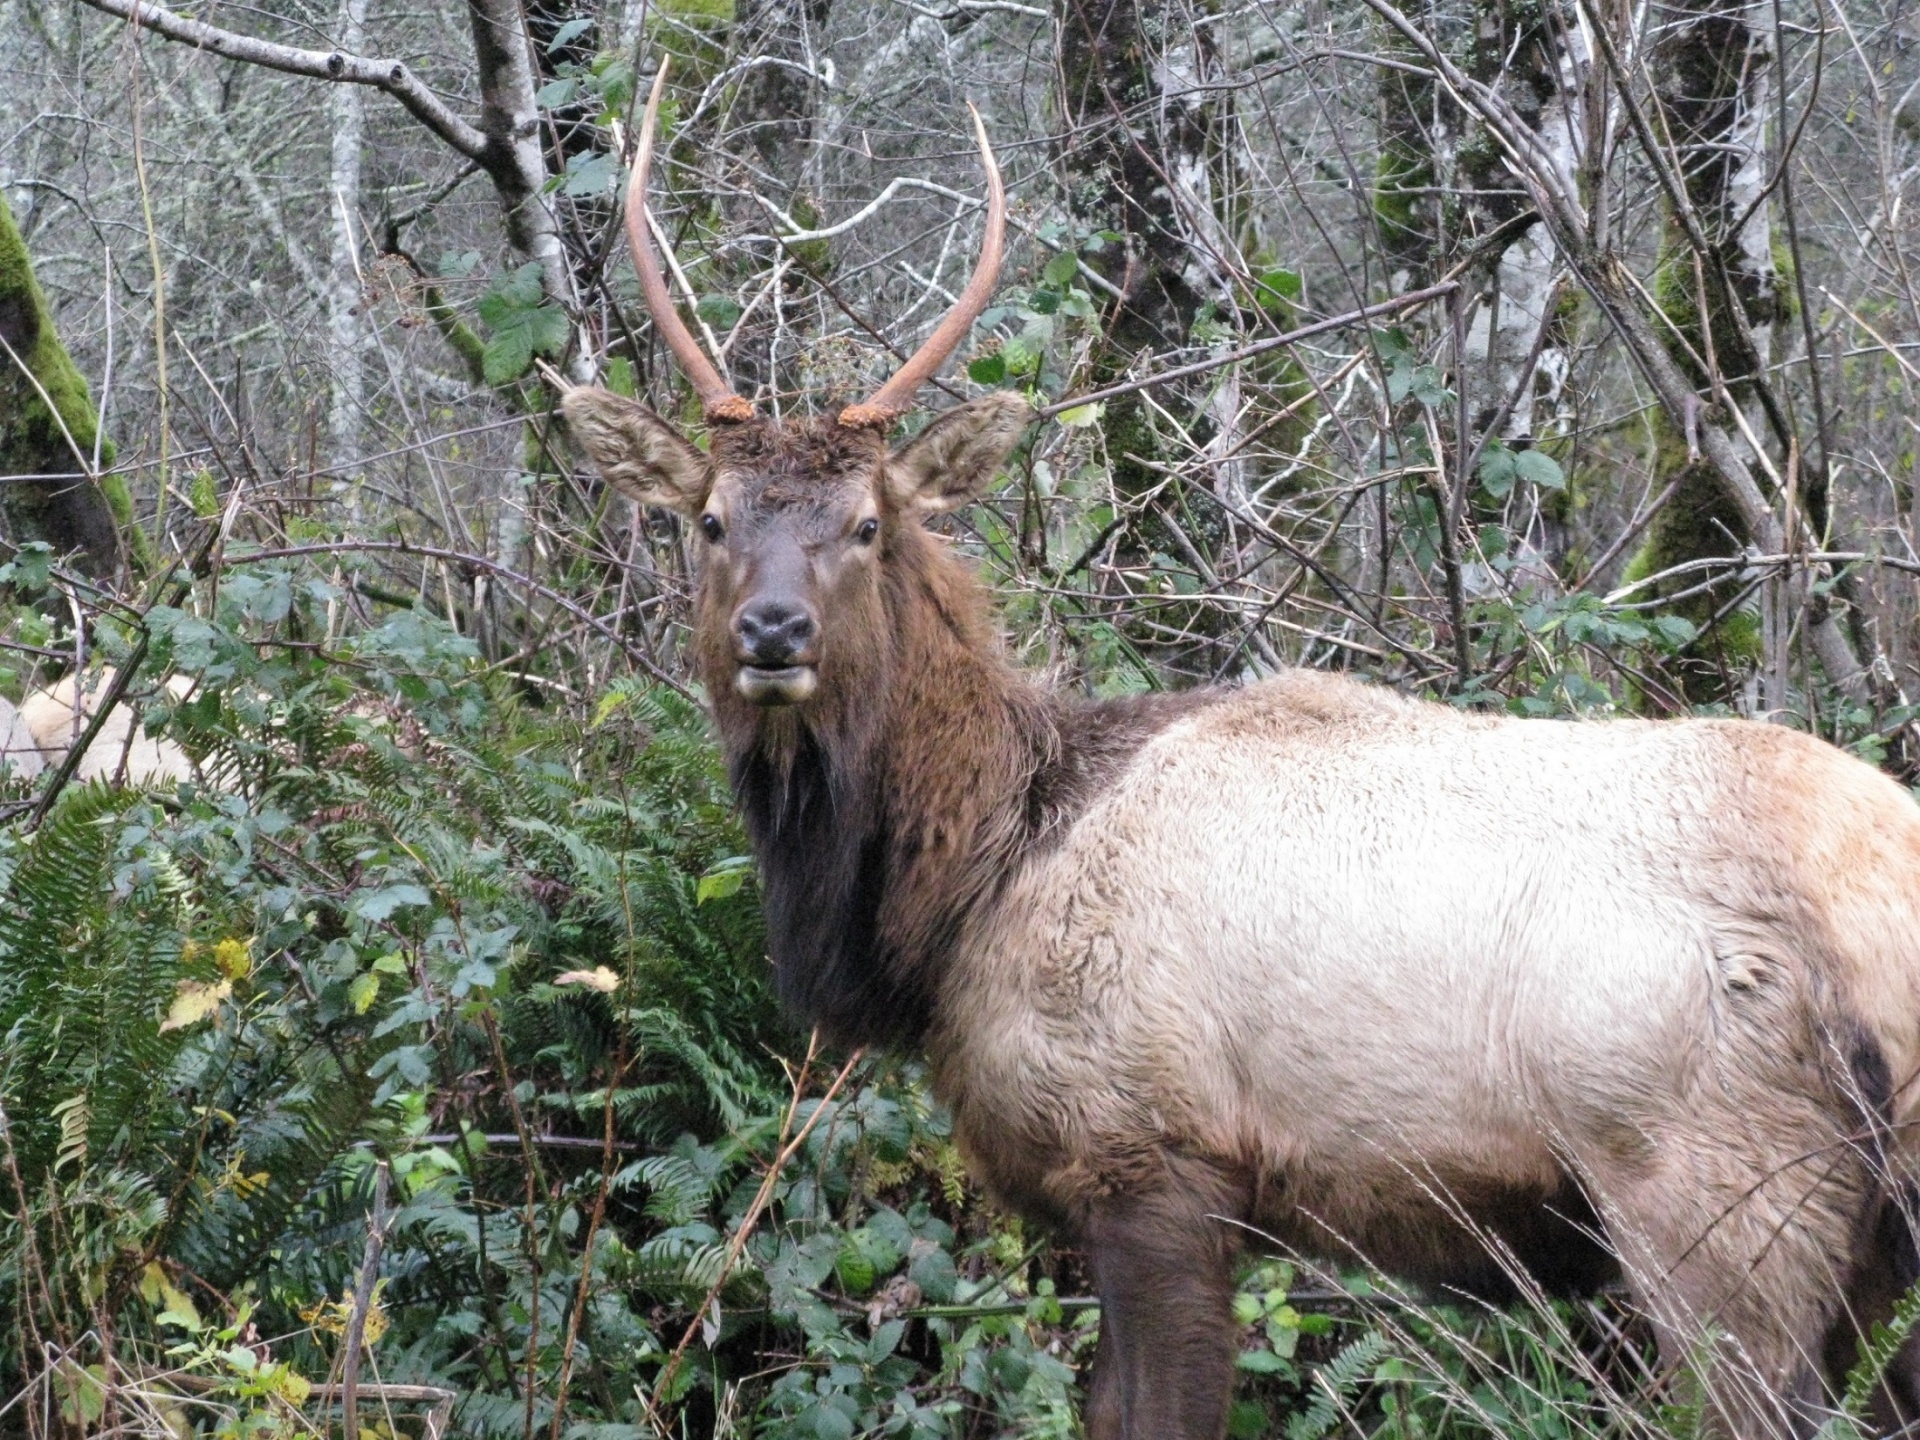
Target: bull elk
(1466,997)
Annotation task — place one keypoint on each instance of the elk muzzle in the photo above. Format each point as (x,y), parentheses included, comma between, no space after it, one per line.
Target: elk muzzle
(773,648)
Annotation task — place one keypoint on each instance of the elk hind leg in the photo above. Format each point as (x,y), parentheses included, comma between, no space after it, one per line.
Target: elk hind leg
(1886,1267)
(1741,1246)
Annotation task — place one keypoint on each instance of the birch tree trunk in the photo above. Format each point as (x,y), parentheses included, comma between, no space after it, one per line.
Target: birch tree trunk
(346,325)
(1537,58)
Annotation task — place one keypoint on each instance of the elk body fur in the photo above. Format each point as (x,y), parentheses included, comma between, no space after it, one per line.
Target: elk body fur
(1499,1006)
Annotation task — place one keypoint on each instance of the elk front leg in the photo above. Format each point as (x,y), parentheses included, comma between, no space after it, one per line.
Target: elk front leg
(1164,1269)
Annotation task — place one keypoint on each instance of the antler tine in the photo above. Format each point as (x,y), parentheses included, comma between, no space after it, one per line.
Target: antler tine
(894,397)
(716,396)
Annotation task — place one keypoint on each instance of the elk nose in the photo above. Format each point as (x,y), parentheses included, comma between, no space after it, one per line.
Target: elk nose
(772,632)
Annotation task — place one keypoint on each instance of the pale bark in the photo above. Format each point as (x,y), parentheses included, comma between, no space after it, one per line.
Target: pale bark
(1713,91)
(346,321)
(1516,358)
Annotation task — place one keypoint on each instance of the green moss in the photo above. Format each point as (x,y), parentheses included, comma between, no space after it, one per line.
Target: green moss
(815,256)
(1402,183)
(460,336)
(1697,523)
(693,32)
(46,415)
(26,425)
(717,13)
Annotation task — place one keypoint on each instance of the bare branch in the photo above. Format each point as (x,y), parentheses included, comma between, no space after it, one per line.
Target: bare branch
(392,76)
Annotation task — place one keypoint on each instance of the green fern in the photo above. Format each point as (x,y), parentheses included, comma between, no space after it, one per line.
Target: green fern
(1877,1353)
(1335,1385)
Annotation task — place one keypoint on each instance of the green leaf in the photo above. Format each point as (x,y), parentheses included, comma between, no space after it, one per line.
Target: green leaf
(523,324)
(1541,468)
(556,93)
(590,174)
(31,566)
(1497,470)
(719,311)
(1248,1420)
(516,291)
(988,369)
(1675,631)
(378,905)
(1261,1362)
(507,355)
(1061,269)
(723,879)
(1276,289)
(1022,353)
(885,1341)
(1429,389)
(933,1270)
(1081,416)
(853,1269)
(568,33)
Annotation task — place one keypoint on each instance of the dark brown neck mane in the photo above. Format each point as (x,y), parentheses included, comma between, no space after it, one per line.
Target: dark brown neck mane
(892,812)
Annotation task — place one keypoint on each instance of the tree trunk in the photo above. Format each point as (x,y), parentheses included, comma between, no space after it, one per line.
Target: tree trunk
(514,159)
(1536,58)
(1146,158)
(75,514)
(346,323)
(1713,78)
(1414,138)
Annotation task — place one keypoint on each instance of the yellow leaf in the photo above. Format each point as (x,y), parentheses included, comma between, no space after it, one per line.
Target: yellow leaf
(193,1002)
(232,957)
(290,1385)
(599,978)
(1080,415)
(364,990)
(173,1305)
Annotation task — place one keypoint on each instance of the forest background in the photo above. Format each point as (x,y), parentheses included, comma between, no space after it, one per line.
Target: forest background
(411,1068)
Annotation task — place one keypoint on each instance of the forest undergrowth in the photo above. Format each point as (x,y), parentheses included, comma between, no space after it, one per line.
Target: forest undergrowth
(430,1026)
(413,1071)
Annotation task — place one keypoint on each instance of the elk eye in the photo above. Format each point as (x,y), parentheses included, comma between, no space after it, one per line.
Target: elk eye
(715,530)
(868,529)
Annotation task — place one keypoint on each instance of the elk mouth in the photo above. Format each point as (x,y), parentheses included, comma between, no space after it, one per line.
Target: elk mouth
(775,684)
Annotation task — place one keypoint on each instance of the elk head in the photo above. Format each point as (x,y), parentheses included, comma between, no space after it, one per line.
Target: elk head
(800,518)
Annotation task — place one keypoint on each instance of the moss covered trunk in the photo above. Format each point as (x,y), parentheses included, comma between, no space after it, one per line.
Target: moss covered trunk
(1712,75)
(1149,162)
(77,515)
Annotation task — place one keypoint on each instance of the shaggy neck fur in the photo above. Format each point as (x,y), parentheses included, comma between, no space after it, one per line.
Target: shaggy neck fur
(886,813)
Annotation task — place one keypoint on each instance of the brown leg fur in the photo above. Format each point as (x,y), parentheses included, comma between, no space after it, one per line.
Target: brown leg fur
(1164,1368)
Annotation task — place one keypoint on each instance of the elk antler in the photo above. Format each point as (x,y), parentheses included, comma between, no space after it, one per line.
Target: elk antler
(716,396)
(894,397)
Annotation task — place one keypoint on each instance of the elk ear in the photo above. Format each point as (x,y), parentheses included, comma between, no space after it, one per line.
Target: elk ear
(951,461)
(635,451)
